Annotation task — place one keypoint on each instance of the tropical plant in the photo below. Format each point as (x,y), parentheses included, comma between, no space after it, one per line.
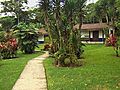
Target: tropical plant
(8,46)
(45,9)
(61,18)
(27,37)
(117,33)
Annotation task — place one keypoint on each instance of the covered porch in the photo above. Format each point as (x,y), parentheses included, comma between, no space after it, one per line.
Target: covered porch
(92,32)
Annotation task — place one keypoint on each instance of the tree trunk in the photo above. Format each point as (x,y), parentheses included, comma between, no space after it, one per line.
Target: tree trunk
(107,19)
(48,27)
(80,24)
(57,11)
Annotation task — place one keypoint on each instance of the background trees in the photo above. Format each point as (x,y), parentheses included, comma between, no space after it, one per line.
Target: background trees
(107,11)
(15,7)
(7,23)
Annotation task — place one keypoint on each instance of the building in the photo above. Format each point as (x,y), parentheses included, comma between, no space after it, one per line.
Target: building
(42,33)
(89,32)
(92,32)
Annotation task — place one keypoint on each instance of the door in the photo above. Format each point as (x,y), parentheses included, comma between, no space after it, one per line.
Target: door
(95,35)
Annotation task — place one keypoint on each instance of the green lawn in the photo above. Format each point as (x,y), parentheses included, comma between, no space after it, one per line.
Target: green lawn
(10,69)
(100,72)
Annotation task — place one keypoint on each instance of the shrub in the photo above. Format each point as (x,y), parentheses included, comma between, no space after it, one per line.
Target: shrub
(8,49)
(27,38)
(115,42)
(111,41)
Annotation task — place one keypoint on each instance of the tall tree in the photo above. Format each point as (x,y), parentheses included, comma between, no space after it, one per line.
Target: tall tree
(72,46)
(61,16)
(45,7)
(90,15)
(14,7)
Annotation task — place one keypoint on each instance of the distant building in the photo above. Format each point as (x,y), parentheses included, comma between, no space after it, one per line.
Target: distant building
(42,34)
(92,32)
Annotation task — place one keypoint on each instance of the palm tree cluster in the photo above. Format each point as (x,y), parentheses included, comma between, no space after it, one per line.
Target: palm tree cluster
(60,16)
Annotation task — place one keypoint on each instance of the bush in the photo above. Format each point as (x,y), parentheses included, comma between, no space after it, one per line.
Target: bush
(111,41)
(64,59)
(8,49)
(27,38)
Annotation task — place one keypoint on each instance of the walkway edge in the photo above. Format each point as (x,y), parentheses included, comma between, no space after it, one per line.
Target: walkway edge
(33,76)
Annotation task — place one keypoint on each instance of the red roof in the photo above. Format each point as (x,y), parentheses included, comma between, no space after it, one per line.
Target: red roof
(91,27)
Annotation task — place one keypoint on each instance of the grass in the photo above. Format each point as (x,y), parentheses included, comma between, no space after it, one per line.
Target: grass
(100,72)
(10,69)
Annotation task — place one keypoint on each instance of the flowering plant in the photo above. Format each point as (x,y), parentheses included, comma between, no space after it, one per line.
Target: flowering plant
(8,48)
(111,40)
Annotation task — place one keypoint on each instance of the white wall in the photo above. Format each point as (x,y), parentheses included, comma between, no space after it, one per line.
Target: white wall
(100,34)
(111,29)
(84,34)
(104,36)
(91,34)
(41,38)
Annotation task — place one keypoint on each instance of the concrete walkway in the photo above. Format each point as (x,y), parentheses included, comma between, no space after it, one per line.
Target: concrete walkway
(33,76)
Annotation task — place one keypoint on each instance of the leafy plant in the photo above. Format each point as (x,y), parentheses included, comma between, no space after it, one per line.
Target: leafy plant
(8,46)
(117,33)
(27,37)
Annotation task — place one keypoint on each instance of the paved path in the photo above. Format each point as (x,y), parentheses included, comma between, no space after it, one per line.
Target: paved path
(33,76)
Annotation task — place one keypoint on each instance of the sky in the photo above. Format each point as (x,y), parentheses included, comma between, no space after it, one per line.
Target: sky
(33,3)
(91,1)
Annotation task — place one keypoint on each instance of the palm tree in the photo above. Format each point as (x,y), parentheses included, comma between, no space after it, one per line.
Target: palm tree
(57,13)
(45,7)
(72,46)
(64,16)
(80,5)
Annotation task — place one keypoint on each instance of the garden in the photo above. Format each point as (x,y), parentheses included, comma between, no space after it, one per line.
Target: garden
(72,64)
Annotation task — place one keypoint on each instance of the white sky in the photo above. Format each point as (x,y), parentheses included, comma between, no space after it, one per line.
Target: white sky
(91,1)
(33,3)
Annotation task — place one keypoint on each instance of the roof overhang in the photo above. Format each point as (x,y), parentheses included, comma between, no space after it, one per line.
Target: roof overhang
(92,27)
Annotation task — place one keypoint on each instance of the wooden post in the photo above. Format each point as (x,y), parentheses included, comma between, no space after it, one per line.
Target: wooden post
(89,35)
